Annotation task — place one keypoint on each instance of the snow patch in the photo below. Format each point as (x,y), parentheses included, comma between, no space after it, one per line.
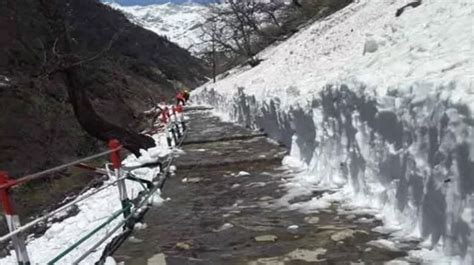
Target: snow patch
(110,261)
(383,244)
(243,174)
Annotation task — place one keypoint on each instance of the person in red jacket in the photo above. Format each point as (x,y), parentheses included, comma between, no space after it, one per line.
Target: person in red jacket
(164,114)
(182,97)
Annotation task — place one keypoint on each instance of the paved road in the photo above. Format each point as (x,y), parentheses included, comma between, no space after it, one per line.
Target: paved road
(223,210)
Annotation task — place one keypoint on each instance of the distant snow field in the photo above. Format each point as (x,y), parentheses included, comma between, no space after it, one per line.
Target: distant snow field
(179,23)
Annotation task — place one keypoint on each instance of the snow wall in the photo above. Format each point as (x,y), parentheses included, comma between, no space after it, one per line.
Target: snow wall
(409,156)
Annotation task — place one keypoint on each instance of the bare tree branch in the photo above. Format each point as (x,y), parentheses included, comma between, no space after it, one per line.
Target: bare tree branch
(239,27)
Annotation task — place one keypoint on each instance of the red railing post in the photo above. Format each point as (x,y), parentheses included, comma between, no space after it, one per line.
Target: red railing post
(13,221)
(114,147)
(165,120)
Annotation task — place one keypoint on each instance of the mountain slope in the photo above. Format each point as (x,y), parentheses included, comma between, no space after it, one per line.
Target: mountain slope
(179,23)
(37,124)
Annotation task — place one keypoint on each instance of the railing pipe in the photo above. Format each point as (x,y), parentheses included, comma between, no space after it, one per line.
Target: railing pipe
(48,215)
(13,221)
(16,182)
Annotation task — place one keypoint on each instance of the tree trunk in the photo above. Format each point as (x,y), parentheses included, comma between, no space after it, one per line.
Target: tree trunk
(95,125)
(68,63)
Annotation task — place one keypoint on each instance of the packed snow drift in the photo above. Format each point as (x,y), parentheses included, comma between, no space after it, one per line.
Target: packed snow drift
(378,108)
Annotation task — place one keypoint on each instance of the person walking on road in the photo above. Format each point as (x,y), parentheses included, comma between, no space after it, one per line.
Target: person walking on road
(182,97)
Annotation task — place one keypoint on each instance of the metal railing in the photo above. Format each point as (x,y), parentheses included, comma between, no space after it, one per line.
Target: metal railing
(13,221)
(128,210)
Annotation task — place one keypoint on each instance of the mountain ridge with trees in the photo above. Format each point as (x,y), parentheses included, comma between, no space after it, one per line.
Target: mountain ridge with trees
(122,68)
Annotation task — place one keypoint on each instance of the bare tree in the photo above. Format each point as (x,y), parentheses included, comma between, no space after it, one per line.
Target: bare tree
(67,63)
(238,29)
(272,10)
(233,27)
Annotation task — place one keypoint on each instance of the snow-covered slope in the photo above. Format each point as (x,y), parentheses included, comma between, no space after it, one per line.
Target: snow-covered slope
(431,43)
(379,108)
(180,23)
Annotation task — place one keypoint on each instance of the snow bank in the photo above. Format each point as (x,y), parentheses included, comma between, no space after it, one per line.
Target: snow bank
(377,108)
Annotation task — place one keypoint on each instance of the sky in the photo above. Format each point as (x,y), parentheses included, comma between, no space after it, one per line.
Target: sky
(149,2)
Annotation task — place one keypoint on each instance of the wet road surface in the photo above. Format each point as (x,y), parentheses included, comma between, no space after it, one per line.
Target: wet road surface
(223,210)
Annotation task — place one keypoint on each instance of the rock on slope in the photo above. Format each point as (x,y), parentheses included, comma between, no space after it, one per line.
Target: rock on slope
(380,108)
